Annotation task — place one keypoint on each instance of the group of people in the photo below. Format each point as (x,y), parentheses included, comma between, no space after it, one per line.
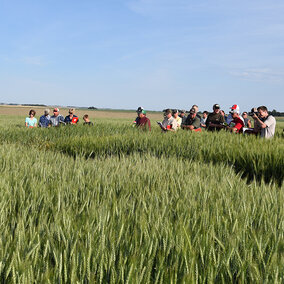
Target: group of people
(56,119)
(264,124)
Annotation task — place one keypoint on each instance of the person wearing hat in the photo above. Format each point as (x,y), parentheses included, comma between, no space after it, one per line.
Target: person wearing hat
(71,118)
(177,118)
(215,119)
(169,123)
(192,122)
(182,116)
(142,121)
(236,125)
(232,109)
(56,119)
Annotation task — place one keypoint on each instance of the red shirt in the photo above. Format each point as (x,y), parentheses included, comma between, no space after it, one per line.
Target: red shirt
(239,124)
(143,122)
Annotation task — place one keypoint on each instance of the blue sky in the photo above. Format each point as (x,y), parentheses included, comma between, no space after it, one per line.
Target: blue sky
(154,53)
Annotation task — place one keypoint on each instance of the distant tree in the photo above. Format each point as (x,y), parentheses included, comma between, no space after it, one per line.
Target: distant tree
(92,107)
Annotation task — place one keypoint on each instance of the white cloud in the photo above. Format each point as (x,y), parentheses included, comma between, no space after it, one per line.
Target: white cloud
(259,74)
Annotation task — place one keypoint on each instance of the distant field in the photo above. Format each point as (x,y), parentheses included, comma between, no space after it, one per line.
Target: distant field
(111,204)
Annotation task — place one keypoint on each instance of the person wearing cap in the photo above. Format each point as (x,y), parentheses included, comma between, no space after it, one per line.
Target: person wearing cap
(177,118)
(44,119)
(233,108)
(71,118)
(236,125)
(169,123)
(196,108)
(215,119)
(182,116)
(56,119)
(203,119)
(142,121)
(192,122)
(265,121)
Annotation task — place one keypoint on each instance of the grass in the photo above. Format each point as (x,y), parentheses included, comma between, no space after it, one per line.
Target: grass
(109,204)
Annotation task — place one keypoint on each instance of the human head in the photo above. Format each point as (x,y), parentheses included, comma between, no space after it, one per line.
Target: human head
(263,111)
(193,112)
(175,113)
(141,112)
(222,112)
(168,113)
(195,107)
(205,114)
(216,108)
(182,113)
(32,112)
(245,114)
(86,117)
(71,110)
(46,112)
(56,111)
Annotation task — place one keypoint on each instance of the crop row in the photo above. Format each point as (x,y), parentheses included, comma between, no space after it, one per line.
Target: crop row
(134,219)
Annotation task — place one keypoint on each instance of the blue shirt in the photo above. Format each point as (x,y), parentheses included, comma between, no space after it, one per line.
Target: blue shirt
(44,121)
(68,120)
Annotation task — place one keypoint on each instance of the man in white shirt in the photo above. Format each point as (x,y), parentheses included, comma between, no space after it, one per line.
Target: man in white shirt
(267,122)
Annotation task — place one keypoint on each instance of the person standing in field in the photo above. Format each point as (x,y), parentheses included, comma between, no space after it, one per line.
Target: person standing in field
(169,123)
(87,120)
(236,125)
(247,121)
(177,118)
(31,121)
(266,122)
(182,116)
(142,121)
(56,119)
(192,122)
(71,118)
(203,119)
(44,119)
(215,119)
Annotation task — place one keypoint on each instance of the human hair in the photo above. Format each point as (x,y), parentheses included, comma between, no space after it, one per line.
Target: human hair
(32,112)
(86,116)
(46,111)
(71,110)
(206,112)
(263,108)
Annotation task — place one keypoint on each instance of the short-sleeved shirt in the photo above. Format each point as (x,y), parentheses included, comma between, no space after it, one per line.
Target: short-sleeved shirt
(170,123)
(238,124)
(179,121)
(56,120)
(216,118)
(143,123)
(193,121)
(31,122)
(44,121)
(269,130)
(68,119)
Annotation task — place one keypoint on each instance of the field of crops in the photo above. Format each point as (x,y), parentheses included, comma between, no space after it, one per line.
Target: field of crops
(110,204)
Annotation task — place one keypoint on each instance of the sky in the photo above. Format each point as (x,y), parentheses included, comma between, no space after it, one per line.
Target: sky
(153,53)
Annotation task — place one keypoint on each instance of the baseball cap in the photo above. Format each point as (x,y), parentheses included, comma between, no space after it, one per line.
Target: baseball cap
(182,111)
(167,111)
(140,109)
(175,111)
(216,106)
(235,109)
(56,109)
(192,110)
